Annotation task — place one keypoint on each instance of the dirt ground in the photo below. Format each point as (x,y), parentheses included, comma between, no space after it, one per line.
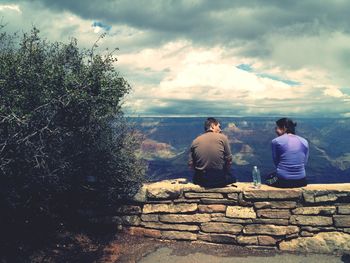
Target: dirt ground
(129,249)
(126,249)
(106,247)
(83,247)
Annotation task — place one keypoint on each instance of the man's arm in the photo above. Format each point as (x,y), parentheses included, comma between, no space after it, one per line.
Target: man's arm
(190,159)
(227,151)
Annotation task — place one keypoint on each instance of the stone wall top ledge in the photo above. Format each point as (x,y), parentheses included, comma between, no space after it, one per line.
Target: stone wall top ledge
(185,184)
(173,189)
(345,187)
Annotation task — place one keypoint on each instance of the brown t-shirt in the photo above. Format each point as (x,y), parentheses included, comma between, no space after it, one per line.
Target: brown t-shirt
(210,151)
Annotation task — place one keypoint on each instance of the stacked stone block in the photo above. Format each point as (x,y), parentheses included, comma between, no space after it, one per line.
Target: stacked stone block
(286,219)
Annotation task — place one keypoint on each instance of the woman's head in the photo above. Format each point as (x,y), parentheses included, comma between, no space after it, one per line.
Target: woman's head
(285,125)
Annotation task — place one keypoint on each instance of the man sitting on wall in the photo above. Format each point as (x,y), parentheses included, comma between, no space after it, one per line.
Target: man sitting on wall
(211,157)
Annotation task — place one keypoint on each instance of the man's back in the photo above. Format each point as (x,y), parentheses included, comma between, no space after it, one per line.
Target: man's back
(210,151)
(211,157)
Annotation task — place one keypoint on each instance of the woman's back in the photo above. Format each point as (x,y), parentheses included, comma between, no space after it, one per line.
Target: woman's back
(290,154)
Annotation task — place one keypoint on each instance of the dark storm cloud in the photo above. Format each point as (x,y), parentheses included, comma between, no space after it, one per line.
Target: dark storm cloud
(221,22)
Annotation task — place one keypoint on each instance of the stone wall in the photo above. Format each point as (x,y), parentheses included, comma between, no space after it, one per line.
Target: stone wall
(315,218)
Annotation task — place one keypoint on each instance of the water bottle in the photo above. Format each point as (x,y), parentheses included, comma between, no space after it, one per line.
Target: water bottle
(256,177)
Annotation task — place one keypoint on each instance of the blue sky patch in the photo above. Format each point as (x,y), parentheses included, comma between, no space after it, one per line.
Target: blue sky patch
(345,90)
(101,25)
(287,81)
(245,67)
(248,68)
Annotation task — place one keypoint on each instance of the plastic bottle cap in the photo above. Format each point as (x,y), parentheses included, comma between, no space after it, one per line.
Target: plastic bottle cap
(255,167)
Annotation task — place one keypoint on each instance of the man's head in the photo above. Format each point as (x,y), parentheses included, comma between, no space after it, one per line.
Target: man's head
(212,124)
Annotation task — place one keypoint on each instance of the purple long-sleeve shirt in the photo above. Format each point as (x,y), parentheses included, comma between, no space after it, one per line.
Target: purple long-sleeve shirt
(290,154)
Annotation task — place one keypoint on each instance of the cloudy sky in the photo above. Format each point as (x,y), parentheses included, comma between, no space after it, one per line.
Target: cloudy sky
(204,57)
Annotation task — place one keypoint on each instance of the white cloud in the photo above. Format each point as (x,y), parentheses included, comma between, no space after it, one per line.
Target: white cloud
(333,92)
(15,8)
(209,75)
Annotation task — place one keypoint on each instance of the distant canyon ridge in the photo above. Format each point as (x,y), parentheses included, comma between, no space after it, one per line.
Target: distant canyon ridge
(166,143)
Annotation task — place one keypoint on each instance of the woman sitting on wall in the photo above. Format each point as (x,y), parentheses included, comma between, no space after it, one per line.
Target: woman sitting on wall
(290,154)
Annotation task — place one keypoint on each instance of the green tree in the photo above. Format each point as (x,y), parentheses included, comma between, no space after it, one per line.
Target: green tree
(62,129)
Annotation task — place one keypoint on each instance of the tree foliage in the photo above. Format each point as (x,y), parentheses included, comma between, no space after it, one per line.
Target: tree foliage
(62,129)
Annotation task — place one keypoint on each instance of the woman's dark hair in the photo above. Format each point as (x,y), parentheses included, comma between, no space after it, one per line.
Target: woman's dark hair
(209,122)
(288,124)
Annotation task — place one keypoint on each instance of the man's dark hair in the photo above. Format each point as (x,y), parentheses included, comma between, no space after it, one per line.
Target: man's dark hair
(288,124)
(209,122)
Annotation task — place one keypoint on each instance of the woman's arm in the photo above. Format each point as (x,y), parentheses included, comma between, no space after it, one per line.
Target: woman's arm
(306,152)
(275,154)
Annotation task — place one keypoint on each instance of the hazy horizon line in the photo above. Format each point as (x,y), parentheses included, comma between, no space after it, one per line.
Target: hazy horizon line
(233,116)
